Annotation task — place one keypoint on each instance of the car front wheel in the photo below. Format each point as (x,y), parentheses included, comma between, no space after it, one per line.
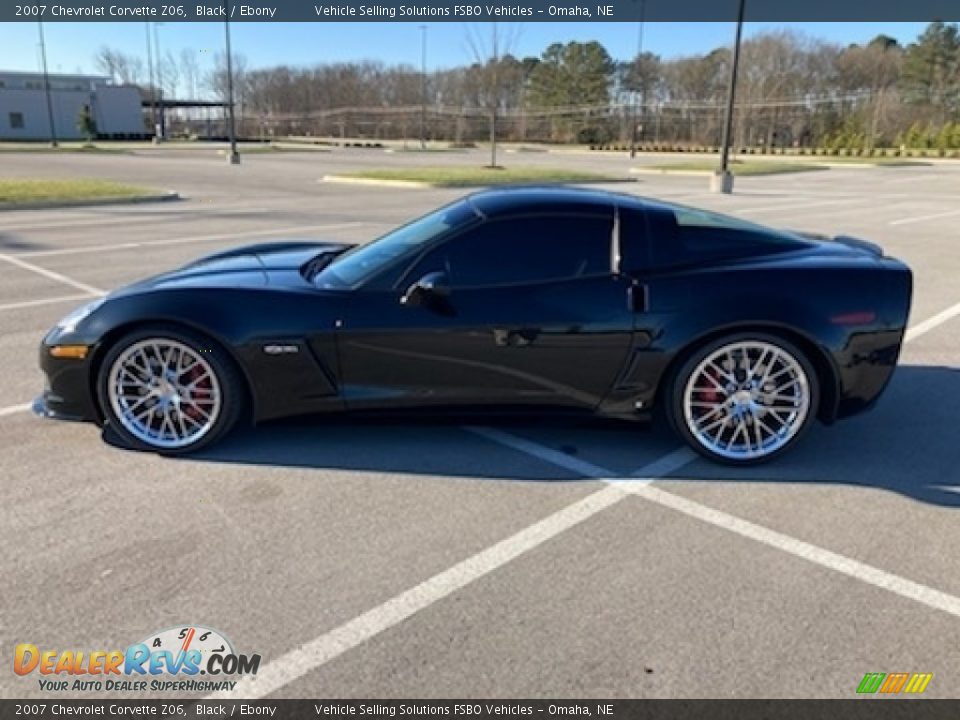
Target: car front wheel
(169,390)
(744,399)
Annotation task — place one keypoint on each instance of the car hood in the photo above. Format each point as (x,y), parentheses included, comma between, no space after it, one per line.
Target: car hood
(260,265)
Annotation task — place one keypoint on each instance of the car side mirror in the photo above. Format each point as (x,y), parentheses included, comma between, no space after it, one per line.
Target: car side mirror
(434,285)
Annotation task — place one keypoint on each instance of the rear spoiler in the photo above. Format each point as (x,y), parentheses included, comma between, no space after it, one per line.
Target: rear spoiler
(851,242)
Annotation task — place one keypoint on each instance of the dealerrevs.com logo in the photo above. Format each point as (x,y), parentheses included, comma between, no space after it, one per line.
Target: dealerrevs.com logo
(184,659)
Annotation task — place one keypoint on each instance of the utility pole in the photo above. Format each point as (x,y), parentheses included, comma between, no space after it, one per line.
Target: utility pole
(153,89)
(639,71)
(233,157)
(722,180)
(46,87)
(495,100)
(423,87)
(161,124)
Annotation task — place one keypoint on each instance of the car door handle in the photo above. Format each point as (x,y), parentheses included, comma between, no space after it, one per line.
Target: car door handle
(638,297)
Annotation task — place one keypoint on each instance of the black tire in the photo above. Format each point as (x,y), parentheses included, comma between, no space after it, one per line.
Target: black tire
(674,402)
(232,395)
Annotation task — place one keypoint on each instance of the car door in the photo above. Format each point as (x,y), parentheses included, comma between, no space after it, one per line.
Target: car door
(530,314)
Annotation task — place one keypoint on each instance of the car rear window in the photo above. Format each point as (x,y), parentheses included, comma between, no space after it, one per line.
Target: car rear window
(683,235)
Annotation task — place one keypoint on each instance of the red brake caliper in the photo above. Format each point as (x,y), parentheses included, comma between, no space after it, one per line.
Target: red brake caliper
(712,394)
(200,393)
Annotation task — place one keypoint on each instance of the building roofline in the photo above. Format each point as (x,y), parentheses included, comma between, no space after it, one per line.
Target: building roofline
(35,73)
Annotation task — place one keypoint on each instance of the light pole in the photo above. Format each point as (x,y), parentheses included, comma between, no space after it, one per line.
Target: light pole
(153,89)
(161,124)
(423,87)
(233,157)
(495,100)
(722,180)
(46,87)
(639,78)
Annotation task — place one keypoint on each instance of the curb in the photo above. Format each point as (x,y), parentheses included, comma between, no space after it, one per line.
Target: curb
(707,173)
(439,186)
(53,204)
(372,181)
(652,171)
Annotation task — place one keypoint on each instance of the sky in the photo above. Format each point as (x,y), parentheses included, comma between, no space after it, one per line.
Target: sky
(71,46)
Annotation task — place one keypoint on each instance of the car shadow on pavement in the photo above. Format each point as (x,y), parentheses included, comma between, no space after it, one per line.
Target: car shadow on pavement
(424,445)
(12,242)
(909,444)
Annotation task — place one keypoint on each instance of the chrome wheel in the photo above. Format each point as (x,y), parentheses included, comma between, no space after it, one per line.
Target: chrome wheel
(164,393)
(746,400)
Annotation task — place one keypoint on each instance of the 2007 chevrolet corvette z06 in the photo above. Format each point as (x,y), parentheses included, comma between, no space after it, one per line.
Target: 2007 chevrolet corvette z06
(534,299)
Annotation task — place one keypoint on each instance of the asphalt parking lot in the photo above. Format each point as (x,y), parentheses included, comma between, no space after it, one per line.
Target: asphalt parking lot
(552,559)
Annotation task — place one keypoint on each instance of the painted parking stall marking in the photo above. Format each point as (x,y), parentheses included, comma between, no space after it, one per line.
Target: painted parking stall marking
(52,275)
(318,652)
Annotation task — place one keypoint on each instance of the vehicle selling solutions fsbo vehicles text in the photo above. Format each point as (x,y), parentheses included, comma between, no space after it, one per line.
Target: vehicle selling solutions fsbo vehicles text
(341,11)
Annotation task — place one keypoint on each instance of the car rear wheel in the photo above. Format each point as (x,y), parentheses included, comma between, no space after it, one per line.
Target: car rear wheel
(744,399)
(169,390)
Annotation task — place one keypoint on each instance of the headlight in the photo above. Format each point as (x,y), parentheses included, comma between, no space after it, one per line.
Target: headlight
(70,322)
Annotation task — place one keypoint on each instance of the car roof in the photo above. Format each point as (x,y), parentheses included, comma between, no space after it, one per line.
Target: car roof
(522,200)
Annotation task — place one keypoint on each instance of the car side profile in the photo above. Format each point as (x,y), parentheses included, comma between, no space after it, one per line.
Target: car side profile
(541,300)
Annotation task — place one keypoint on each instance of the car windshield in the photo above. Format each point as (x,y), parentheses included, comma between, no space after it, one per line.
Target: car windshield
(365,261)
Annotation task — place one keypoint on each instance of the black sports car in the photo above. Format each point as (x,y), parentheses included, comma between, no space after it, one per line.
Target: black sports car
(526,299)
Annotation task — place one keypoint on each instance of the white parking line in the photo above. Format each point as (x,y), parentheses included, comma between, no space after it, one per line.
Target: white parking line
(315,653)
(13,409)
(799,206)
(318,652)
(640,486)
(52,275)
(922,218)
(175,216)
(930,323)
(189,239)
(45,301)
(882,579)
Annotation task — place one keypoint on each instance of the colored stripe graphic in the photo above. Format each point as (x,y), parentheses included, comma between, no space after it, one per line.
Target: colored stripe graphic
(871,683)
(894,682)
(918,682)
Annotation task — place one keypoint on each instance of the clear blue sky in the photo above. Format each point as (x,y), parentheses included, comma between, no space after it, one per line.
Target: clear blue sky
(70,46)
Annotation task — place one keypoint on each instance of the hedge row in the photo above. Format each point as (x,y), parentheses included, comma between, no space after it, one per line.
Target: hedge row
(816,152)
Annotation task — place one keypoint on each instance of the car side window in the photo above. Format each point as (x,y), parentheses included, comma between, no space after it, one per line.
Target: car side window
(523,250)
(682,235)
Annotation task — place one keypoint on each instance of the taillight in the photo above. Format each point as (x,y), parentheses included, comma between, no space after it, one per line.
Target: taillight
(864,317)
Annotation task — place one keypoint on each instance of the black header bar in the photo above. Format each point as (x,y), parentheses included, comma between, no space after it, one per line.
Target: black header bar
(50,708)
(462,11)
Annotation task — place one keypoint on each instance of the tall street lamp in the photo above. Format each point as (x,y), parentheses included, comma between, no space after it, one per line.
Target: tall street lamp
(46,87)
(639,78)
(722,180)
(233,157)
(161,125)
(423,87)
(153,88)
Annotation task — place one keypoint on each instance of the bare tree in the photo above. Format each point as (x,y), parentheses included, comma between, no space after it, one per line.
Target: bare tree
(487,54)
(190,68)
(873,69)
(124,69)
(171,74)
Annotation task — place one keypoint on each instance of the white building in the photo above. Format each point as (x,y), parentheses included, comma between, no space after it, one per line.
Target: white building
(23,106)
